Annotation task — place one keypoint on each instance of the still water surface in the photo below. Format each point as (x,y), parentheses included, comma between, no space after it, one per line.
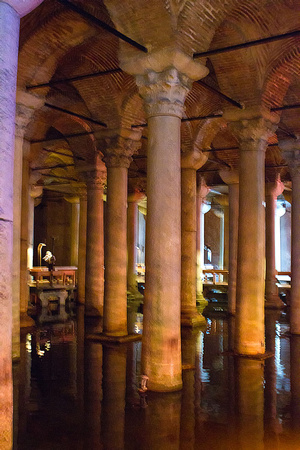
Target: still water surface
(73,393)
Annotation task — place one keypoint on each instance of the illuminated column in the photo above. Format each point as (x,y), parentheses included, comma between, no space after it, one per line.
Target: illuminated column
(272,192)
(219,212)
(82,247)
(291,153)
(94,276)
(252,129)
(119,150)
(231,177)
(164,80)
(279,212)
(191,161)
(132,215)
(10,13)
(201,209)
(74,228)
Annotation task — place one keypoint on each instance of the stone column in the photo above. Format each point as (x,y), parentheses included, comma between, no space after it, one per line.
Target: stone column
(94,278)
(10,12)
(231,177)
(164,80)
(74,228)
(201,209)
(291,153)
(190,162)
(82,247)
(117,159)
(252,129)
(132,213)
(272,192)
(219,212)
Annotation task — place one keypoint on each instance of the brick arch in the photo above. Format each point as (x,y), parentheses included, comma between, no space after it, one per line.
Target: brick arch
(132,111)
(282,74)
(207,132)
(42,50)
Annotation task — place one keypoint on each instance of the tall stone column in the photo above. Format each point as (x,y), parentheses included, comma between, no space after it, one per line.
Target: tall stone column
(201,209)
(190,163)
(272,192)
(291,152)
(117,159)
(252,129)
(164,80)
(94,278)
(232,179)
(10,13)
(82,247)
(132,214)
(74,228)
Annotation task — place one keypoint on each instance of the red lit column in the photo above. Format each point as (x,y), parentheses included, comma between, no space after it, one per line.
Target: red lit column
(201,209)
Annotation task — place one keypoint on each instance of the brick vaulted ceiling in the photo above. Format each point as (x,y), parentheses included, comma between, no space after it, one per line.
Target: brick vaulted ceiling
(57,43)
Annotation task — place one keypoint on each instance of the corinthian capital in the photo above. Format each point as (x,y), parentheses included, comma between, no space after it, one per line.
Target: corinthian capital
(118,150)
(164,78)
(252,127)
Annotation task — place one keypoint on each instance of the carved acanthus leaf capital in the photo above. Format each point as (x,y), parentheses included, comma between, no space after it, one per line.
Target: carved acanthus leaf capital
(164,93)
(252,127)
(119,150)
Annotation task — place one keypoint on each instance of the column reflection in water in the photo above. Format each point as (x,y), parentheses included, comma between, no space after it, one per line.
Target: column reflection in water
(249,403)
(161,428)
(189,339)
(273,427)
(295,389)
(114,391)
(93,393)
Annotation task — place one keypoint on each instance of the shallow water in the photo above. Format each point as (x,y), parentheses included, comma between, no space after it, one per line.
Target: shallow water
(72,393)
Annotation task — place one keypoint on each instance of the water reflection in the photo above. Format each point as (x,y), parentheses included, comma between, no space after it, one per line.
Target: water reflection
(74,393)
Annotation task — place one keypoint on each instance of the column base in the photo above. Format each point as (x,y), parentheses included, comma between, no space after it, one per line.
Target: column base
(201,302)
(192,318)
(91,311)
(26,321)
(101,337)
(273,301)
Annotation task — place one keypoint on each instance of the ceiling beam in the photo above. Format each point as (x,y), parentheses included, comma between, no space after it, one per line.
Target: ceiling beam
(62,138)
(71,113)
(82,12)
(75,78)
(248,44)
(220,94)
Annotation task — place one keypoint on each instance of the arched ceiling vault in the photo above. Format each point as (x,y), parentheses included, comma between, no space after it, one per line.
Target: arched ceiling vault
(57,43)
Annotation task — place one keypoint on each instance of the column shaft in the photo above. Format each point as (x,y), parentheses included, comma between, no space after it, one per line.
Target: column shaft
(131,246)
(75,233)
(82,249)
(94,280)
(233,245)
(272,298)
(9,35)
(161,335)
(251,251)
(189,313)
(115,305)
(295,256)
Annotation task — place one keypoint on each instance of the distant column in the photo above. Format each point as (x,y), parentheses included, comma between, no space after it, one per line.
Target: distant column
(190,162)
(291,152)
(201,209)
(132,224)
(94,278)
(252,129)
(272,192)
(118,154)
(231,177)
(82,247)
(74,228)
